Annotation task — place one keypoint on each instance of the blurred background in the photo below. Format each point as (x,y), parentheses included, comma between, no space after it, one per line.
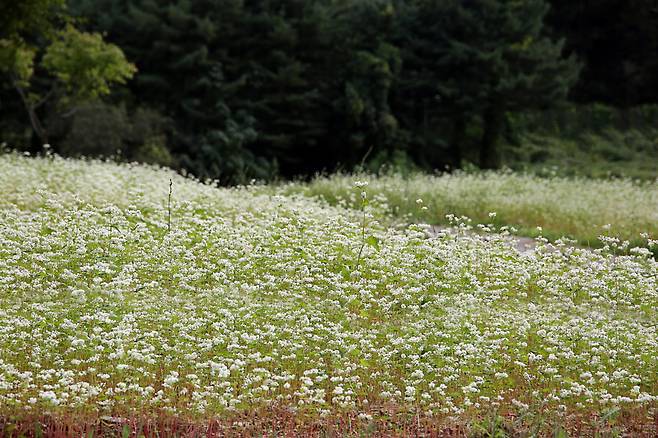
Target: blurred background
(235,90)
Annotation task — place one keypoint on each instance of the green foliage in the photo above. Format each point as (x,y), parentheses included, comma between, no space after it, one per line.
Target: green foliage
(617,40)
(100,129)
(24,18)
(251,89)
(222,155)
(479,59)
(81,62)
(96,129)
(372,65)
(187,45)
(85,64)
(17,59)
(147,139)
(585,140)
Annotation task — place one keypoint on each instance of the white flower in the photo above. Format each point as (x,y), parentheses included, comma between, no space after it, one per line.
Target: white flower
(171,379)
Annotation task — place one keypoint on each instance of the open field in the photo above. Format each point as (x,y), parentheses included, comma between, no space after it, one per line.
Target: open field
(578,208)
(129,308)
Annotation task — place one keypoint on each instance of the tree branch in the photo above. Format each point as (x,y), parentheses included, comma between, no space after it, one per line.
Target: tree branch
(31,111)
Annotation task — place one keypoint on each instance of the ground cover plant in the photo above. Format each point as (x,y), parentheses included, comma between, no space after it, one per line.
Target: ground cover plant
(578,208)
(136,301)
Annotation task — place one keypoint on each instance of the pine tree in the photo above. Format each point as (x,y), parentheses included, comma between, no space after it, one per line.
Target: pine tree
(371,65)
(617,41)
(180,48)
(485,57)
(275,57)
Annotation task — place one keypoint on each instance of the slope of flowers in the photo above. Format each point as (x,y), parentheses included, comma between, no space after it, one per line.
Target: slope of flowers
(248,301)
(578,208)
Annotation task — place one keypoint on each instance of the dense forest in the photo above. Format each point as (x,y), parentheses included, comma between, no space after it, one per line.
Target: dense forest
(238,89)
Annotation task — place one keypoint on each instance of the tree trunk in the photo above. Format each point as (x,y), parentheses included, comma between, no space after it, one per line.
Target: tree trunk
(492,118)
(455,151)
(30,107)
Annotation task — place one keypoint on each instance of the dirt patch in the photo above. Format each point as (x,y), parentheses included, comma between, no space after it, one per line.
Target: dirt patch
(523,244)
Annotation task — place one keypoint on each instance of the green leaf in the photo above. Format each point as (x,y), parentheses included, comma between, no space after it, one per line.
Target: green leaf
(345,273)
(38,432)
(85,64)
(561,433)
(17,58)
(373,241)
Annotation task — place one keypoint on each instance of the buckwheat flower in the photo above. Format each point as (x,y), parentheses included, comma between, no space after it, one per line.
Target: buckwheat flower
(360,184)
(49,396)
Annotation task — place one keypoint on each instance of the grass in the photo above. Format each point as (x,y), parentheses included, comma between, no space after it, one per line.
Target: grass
(582,209)
(125,310)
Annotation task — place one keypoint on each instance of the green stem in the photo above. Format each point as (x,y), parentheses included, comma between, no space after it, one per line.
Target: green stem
(171,183)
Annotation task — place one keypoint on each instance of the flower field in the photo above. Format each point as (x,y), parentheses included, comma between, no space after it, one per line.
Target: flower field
(579,208)
(139,302)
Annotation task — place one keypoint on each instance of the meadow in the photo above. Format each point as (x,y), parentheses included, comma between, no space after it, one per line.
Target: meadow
(135,301)
(579,208)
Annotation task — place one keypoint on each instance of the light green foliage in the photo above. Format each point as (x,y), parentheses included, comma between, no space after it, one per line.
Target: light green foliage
(82,62)
(17,59)
(250,300)
(86,64)
(19,22)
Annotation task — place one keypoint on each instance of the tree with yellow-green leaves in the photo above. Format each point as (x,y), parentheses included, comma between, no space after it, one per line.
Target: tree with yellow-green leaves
(39,39)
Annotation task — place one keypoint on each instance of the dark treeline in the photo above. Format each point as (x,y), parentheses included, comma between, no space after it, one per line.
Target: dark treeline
(241,89)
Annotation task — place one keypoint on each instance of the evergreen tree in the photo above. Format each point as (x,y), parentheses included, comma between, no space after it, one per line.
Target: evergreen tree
(617,41)
(275,58)
(484,58)
(371,65)
(181,50)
